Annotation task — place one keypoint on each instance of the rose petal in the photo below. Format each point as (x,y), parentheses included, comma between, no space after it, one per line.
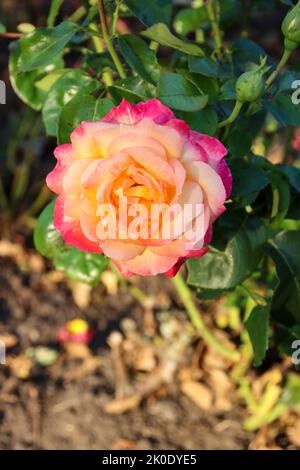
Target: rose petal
(65,157)
(71,229)
(130,114)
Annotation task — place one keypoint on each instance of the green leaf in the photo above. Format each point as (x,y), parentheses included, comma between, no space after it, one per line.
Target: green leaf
(39,47)
(188,20)
(225,269)
(203,66)
(48,80)
(81,108)
(281,195)
(133,89)
(26,84)
(242,133)
(283,109)
(78,265)
(178,93)
(81,266)
(206,85)
(257,326)
(54,9)
(140,57)
(228,91)
(284,248)
(247,52)
(63,90)
(2,28)
(161,34)
(151,12)
(204,121)
(47,240)
(248,177)
(293,175)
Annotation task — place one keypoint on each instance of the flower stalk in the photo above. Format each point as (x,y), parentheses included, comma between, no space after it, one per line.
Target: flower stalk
(285,56)
(235,112)
(213,18)
(186,297)
(108,42)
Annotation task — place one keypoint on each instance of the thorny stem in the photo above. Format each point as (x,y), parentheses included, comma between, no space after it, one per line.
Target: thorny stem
(107,40)
(213,17)
(106,74)
(235,112)
(115,18)
(285,56)
(186,297)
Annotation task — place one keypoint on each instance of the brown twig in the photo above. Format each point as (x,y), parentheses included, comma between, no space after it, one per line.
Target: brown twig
(11,35)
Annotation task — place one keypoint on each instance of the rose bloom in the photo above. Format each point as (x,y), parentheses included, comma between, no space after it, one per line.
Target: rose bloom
(139,154)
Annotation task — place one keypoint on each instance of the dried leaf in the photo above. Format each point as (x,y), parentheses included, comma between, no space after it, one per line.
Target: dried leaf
(118,407)
(198,393)
(293,433)
(8,339)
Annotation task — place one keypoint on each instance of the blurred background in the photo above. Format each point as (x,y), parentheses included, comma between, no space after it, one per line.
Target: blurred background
(117,366)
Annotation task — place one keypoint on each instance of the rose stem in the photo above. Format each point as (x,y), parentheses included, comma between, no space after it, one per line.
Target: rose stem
(186,297)
(235,112)
(285,56)
(115,17)
(106,74)
(107,41)
(215,27)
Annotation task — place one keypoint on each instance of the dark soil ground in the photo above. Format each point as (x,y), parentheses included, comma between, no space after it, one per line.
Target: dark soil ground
(48,410)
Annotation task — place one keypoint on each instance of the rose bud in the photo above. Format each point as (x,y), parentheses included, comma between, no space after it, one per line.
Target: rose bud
(291,28)
(250,85)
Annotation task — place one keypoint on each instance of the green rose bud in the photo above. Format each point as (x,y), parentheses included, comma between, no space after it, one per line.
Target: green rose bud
(250,85)
(291,28)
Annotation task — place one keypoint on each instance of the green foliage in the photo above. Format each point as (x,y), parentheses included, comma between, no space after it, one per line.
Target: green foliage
(284,248)
(224,269)
(139,57)
(26,84)
(178,93)
(62,91)
(204,66)
(257,326)
(151,12)
(81,107)
(72,73)
(160,33)
(40,46)
(47,239)
(78,265)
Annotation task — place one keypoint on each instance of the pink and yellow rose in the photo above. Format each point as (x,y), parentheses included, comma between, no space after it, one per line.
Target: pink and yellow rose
(143,155)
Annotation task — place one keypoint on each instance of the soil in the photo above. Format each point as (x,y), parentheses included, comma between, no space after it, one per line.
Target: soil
(49,411)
